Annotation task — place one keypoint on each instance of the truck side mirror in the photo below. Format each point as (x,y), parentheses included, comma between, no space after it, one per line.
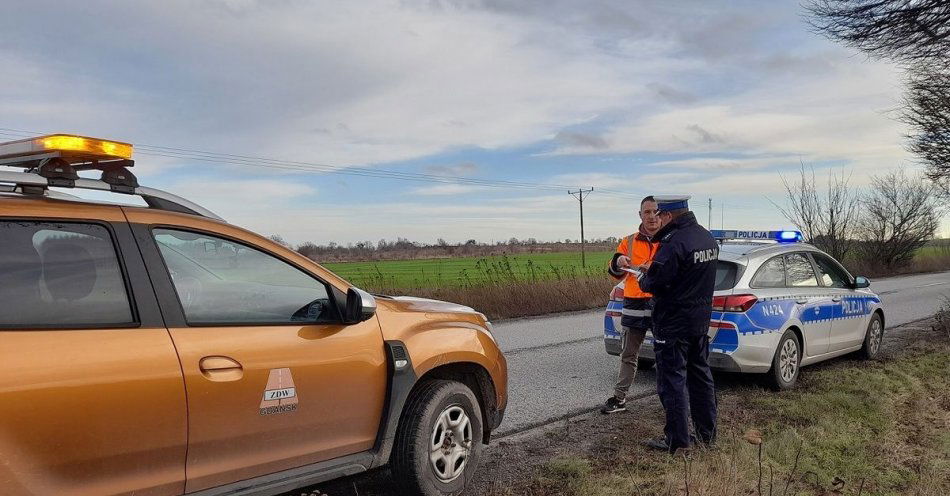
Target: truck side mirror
(360,306)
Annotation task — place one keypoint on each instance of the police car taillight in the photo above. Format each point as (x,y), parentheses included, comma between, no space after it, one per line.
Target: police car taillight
(617,294)
(733,303)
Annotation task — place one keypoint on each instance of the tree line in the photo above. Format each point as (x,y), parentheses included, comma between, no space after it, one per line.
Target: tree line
(405,249)
(884,225)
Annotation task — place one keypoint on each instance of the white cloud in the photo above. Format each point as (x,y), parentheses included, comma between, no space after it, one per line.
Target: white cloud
(719,164)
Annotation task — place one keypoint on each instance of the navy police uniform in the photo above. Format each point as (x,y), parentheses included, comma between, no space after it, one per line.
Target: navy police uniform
(682,279)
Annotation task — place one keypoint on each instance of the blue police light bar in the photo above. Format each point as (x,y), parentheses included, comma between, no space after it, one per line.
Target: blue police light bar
(777,236)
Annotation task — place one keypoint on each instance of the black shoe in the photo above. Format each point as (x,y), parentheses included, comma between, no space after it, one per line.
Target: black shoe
(657,444)
(613,405)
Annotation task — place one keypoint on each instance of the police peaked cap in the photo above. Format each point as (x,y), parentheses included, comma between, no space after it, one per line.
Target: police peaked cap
(671,202)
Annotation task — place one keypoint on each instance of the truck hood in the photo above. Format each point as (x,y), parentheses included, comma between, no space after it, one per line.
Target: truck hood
(414,304)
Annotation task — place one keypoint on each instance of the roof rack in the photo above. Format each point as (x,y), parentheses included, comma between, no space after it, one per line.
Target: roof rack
(30,183)
(54,160)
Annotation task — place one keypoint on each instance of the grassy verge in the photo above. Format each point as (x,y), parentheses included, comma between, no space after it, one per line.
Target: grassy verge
(851,427)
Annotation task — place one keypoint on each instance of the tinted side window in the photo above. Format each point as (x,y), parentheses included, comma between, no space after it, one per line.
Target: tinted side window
(771,274)
(60,275)
(725,275)
(830,273)
(219,281)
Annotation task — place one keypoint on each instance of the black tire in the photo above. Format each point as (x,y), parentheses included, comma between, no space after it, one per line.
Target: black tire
(412,469)
(786,364)
(873,338)
(645,363)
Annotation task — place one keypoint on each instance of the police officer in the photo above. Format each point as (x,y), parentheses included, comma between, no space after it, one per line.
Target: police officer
(682,278)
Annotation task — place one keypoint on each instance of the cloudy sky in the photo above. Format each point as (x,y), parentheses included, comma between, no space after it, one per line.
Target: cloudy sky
(718,100)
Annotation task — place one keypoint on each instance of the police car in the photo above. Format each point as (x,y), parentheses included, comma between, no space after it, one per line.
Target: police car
(779,304)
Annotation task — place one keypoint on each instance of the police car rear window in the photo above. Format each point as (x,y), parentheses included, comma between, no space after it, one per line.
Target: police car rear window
(725,275)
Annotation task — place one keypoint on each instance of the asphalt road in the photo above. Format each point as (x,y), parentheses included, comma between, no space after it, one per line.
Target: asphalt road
(558,367)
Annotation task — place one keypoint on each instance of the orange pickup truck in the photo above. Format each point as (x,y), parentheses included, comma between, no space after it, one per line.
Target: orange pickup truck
(158,350)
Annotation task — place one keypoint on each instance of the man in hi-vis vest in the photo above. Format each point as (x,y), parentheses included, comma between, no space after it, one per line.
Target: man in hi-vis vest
(635,250)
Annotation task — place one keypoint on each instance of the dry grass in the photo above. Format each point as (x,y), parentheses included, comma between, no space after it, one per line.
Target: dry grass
(521,299)
(942,318)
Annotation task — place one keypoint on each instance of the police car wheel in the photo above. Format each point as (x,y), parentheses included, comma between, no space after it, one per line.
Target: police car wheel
(786,363)
(439,440)
(873,338)
(645,363)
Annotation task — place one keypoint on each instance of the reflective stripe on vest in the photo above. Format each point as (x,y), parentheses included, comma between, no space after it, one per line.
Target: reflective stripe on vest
(637,313)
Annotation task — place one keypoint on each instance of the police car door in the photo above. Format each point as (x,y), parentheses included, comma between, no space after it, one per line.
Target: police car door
(274,380)
(813,306)
(849,320)
(783,304)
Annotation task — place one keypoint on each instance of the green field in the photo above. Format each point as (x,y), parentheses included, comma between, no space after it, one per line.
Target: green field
(474,271)
(469,271)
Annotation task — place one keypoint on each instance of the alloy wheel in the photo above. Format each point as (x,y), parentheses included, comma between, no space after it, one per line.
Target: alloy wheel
(877,335)
(450,444)
(788,360)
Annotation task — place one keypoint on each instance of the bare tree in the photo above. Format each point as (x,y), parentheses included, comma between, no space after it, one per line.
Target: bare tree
(277,238)
(915,33)
(827,220)
(898,29)
(927,110)
(900,215)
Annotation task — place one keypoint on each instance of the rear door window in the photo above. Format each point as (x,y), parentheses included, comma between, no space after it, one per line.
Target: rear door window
(60,275)
(799,271)
(771,274)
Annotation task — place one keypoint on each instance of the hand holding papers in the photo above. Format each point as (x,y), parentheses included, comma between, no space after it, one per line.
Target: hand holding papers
(633,270)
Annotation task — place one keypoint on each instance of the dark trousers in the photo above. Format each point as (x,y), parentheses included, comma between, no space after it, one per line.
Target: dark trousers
(686,389)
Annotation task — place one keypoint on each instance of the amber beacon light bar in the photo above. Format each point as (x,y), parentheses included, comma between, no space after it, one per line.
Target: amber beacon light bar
(73,147)
(55,159)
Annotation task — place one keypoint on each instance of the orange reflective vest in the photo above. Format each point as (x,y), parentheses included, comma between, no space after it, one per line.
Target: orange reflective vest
(640,249)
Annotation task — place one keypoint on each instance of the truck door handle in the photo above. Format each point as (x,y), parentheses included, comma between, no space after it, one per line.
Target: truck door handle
(220,368)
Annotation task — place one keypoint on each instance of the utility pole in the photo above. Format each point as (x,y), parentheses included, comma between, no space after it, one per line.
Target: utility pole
(709,225)
(580,194)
